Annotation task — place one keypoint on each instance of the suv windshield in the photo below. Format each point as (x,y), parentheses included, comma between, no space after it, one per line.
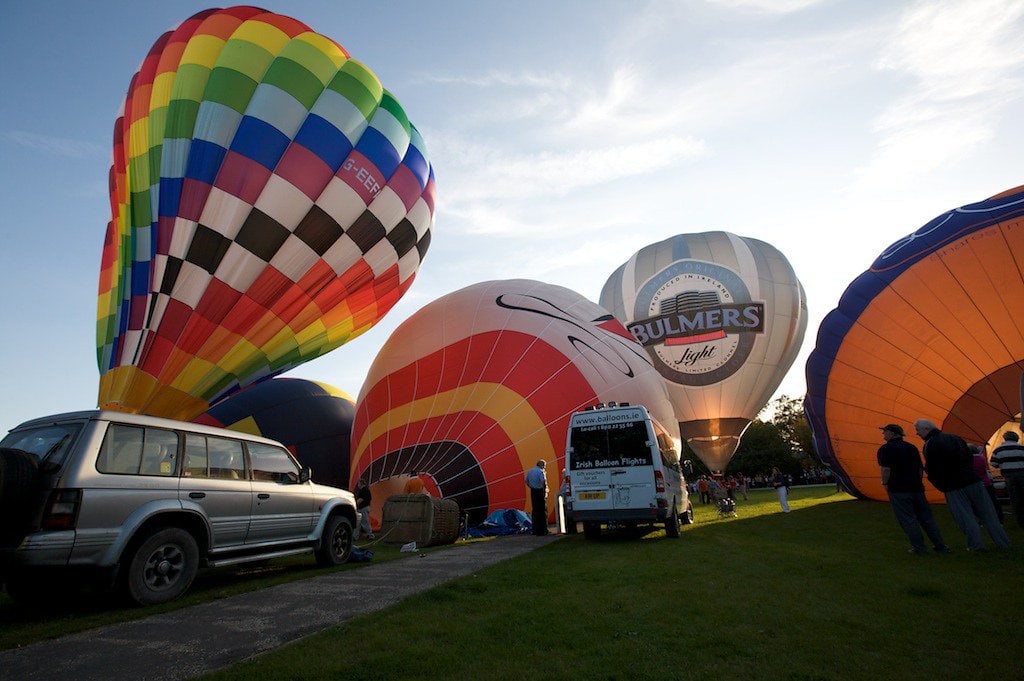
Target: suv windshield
(46,443)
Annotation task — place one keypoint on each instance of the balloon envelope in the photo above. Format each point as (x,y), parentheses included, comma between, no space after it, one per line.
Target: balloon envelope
(312,419)
(930,331)
(722,318)
(270,201)
(478,385)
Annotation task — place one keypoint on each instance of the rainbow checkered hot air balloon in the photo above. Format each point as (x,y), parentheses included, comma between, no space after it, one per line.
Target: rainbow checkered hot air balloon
(270,201)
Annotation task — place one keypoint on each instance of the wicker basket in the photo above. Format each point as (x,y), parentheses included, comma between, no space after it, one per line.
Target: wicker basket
(419,518)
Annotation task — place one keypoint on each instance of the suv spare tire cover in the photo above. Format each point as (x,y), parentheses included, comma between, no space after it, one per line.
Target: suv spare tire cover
(19,478)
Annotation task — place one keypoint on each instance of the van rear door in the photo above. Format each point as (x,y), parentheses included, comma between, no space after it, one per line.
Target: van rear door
(611,466)
(632,478)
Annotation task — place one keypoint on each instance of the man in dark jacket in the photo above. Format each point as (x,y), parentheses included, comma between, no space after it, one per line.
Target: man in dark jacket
(901,475)
(947,460)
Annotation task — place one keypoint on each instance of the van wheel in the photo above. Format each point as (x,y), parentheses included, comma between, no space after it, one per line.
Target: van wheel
(591,530)
(19,474)
(163,567)
(672,524)
(687,517)
(336,542)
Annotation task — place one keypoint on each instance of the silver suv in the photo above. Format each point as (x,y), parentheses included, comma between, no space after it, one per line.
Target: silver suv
(142,502)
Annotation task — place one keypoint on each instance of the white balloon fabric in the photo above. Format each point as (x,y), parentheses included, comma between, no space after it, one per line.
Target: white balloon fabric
(475,387)
(722,318)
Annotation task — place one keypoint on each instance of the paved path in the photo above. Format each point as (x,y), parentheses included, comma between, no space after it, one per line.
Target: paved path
(203,638)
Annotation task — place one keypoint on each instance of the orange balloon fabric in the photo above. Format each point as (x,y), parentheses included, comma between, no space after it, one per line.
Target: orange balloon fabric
(930,331)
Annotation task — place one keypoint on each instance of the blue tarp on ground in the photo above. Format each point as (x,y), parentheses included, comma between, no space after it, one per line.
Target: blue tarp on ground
(502,522)
(359,555)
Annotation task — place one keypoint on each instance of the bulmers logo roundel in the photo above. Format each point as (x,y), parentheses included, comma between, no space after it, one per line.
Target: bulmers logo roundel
(697,321)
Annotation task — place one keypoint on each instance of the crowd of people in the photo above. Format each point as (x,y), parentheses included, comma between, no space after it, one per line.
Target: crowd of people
(959,470)
(713,489)
(742,483)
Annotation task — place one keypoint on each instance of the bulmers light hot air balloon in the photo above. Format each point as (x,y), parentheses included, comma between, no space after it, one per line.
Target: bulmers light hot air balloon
(478,385)
(312,419)
(931,330)
(270,201)
(722,318)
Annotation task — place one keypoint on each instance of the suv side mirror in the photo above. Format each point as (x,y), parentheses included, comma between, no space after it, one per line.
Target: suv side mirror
(306,474)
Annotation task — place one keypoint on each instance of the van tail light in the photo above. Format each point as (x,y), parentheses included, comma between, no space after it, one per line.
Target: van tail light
(659,488)
(62,509)
(567,485)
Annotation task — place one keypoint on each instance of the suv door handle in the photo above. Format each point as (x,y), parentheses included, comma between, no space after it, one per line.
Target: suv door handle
(263,495)
(197,495)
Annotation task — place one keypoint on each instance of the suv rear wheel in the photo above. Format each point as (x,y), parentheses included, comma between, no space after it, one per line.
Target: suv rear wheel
(336,543)
(163,566)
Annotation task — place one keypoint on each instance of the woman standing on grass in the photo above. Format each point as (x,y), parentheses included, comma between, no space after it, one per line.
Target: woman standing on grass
(781,485)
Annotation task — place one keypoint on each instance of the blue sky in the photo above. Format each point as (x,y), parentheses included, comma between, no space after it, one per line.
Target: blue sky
(564,137)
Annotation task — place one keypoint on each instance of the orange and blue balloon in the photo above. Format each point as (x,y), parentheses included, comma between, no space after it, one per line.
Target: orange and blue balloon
(930,330)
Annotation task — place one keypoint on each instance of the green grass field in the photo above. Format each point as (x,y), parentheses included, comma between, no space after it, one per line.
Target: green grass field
(825,592)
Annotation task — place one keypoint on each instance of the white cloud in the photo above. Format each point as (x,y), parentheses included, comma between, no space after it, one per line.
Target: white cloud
(767,6)
(623,88)
(491,79)
(478,172)
(956,49)
(743,82)
(57,146)
(965,60)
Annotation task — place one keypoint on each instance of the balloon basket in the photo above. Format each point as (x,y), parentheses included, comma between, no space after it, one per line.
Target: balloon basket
(419,518)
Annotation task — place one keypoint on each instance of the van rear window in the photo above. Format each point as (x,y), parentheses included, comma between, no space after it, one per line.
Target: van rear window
(614,445)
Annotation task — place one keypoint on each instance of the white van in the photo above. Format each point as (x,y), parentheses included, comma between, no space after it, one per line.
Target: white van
(623,468)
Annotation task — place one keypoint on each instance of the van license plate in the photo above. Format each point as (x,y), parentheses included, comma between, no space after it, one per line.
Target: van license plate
(584,496)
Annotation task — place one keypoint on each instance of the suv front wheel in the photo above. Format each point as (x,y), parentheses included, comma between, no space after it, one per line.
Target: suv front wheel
(336,542)
(163,566)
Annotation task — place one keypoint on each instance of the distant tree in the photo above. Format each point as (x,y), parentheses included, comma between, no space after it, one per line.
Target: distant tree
(788,416)
(762,448)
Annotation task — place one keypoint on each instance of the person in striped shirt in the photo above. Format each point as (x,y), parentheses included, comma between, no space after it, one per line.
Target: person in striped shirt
(1008,457)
